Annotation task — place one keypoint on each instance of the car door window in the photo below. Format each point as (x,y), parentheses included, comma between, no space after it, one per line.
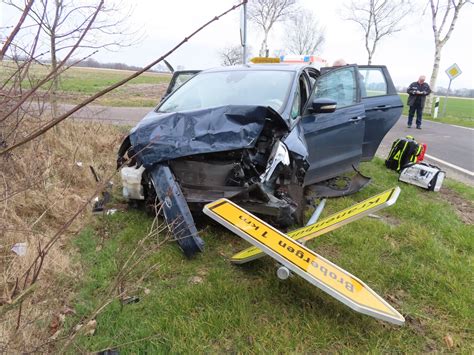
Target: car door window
(295,108)
(372,82)
(301,96)
(339,85)
(313,76)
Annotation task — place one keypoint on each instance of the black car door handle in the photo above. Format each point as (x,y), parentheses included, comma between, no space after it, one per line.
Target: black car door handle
(379,108)
(383,107)
(357,118)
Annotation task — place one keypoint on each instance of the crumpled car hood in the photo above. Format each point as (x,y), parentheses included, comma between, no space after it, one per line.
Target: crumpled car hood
(166,136)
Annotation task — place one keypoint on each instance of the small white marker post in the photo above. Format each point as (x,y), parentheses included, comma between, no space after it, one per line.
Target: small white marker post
(436,108)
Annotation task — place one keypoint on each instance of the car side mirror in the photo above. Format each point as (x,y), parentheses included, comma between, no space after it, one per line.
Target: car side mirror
(323,105)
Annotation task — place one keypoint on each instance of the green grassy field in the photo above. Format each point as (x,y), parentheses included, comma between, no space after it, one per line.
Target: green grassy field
(76,84)
(91,80)
(145,91)
(459,111)
(419,257)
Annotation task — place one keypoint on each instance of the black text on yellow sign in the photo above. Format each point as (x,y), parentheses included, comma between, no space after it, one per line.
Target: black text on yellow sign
(303,261)
(330,223)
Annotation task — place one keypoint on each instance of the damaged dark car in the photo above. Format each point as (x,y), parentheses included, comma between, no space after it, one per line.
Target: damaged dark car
(258,135)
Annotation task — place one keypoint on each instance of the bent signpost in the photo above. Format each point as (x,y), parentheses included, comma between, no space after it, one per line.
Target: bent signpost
(302,261)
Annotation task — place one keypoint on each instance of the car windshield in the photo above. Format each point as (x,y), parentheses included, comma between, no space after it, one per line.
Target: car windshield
(246,87)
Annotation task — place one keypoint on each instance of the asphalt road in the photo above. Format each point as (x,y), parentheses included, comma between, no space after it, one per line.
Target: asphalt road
(450,147)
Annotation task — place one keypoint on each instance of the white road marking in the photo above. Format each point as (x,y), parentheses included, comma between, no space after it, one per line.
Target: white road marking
(452,125)
(462,170)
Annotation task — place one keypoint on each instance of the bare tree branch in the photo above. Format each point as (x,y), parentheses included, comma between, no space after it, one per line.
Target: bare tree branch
(377,19)
(232,55)
(53,72)
(16,29)
(61,118)
(304,35)
(265,13)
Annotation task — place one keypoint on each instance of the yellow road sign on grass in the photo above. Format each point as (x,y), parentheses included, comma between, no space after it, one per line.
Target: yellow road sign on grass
(302,261)
(334,221)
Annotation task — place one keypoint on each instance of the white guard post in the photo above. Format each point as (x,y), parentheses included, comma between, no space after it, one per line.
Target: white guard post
(436,108)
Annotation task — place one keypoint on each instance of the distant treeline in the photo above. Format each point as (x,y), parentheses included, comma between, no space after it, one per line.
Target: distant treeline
(92,63)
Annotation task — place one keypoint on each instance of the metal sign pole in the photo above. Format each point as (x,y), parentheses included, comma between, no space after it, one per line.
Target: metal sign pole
(446,98)
(244,35)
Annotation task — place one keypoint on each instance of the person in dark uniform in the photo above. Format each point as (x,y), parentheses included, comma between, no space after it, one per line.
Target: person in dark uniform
(417,92)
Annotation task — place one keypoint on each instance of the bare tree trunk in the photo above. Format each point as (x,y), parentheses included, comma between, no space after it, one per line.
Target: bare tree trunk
(264,47)
(54,59)
(55,82)
(438,11)
(434,77)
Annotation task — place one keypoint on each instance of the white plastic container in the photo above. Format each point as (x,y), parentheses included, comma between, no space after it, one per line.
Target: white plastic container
(131,182)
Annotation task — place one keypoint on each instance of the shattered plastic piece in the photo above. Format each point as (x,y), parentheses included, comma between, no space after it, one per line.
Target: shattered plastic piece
(99,203)
(111,211)
(330,188)
(132,182)
(79,164)
(109,352)
(19,249)
(448,340)
(90,327)
(196,280)
(374,216)
(130,299)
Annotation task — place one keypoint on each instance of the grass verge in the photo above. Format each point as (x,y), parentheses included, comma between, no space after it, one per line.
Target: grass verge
(459,111)
(418,256)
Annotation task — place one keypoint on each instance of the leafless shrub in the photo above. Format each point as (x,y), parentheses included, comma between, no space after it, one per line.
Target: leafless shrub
(304,34)
(47,192)
(266,13)
(44,185)
(232,55)
(377,19)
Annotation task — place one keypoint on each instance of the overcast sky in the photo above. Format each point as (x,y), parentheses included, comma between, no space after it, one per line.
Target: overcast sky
(407,54)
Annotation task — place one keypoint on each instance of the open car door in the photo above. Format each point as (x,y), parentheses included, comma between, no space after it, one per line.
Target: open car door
(383,106)
(178,79)
(334,139)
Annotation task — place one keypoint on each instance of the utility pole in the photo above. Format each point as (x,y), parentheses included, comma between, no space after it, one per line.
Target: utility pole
(243,32)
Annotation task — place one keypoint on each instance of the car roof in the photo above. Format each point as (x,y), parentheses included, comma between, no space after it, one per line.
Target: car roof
(258,67)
